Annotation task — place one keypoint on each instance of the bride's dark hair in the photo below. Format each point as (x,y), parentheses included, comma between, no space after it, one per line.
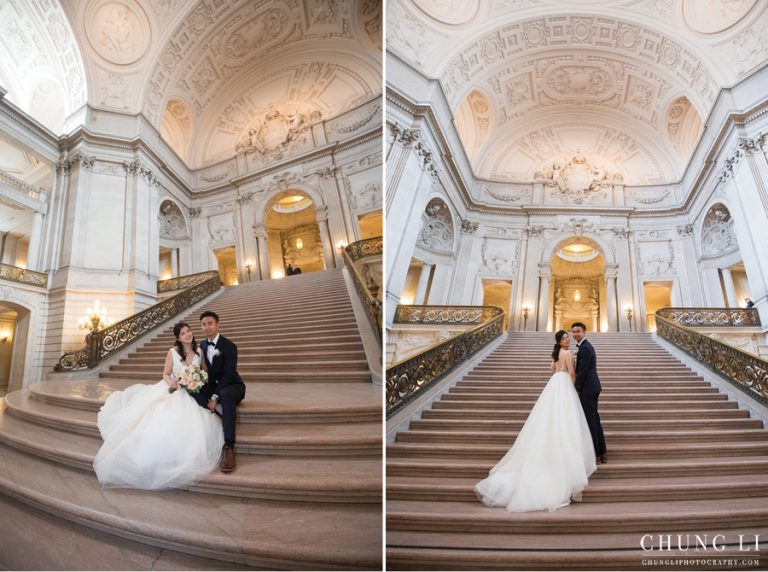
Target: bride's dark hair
(179,346)
(558,336)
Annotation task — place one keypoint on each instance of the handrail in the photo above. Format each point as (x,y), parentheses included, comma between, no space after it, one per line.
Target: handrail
(101,344)
(744,370)
(24,276)
(182,282)
(409,378)
(447,315)
(36,193)
(354,252)
(716,317)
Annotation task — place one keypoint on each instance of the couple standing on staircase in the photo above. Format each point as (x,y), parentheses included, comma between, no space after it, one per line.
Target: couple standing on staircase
(560,443)
(156,436)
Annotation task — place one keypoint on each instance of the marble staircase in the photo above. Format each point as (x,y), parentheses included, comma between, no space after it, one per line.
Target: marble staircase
(307,490)
(682,459)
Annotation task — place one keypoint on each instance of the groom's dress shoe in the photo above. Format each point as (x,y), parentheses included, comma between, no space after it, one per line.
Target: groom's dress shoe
(603,458)
(227,459)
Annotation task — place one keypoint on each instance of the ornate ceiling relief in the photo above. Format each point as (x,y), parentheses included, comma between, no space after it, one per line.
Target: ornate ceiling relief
(177,126)
(436,228)
(578,179)
(276,131)
(117,30)
(369,16)
(171,221)
(474,120)
(717,235)
(714,16)
(499,256)
(450,12)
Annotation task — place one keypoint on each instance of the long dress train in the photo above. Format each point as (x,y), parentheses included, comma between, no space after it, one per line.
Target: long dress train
(552,457)
(154,439)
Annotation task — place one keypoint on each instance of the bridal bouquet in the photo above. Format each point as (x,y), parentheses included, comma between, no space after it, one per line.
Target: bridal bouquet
(191,378)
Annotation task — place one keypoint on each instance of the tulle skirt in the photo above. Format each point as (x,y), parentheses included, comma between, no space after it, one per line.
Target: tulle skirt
(156,440)
(552,458)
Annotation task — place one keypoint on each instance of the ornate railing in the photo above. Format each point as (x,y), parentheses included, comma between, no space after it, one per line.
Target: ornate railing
(715,317)
(746,371)
(366,288)
(36,193)
(8,272)
(104,343)
(444,315)
(182,282)
(412,376)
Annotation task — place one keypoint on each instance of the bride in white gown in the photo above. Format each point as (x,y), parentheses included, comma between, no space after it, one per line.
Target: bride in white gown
(553,456)
(154,439)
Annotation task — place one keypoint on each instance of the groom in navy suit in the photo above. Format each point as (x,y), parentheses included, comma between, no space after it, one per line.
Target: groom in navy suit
(224,385)
(588,387)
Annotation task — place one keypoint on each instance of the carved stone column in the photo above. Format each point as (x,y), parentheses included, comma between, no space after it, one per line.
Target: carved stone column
(262,252)
(421,289)
(325,238)
(611,273)
(730,288)
(542,317)
(33,253)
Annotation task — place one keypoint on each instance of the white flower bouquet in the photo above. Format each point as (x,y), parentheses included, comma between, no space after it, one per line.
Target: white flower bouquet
(192,378)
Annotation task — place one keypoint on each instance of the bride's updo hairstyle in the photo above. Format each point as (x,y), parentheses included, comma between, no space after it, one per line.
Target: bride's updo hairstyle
(558,337)
(179,346)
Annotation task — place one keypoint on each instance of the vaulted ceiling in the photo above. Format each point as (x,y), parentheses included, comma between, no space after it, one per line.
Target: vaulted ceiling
(202,71)
(626,83)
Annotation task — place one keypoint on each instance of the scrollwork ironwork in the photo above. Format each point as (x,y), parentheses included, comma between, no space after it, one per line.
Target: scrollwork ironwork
(102,344)
(444,315)
(182,282)
(746,371)
(24,276)
(718,317)
(411,377)
(350,254)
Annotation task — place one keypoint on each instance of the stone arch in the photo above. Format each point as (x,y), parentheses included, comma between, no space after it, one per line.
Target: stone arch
(554,245)
(21,371)
(177,126)
(171,220)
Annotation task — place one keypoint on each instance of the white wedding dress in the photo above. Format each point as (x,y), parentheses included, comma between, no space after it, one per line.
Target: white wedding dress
(154,439)
(553,456)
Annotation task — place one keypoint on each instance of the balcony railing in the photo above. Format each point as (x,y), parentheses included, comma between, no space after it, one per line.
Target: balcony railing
(19,186)
(366,287)
(711,317)
(746,371)
(182,282)
(411,377)
(101,344)
(23,276)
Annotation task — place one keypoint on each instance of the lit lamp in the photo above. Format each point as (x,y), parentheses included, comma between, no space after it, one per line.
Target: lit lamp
(341,245)
(628,311)
(576,296)
(278,274)
(95,318)
(5,336)
(248,267)
(526,310)
(299,244)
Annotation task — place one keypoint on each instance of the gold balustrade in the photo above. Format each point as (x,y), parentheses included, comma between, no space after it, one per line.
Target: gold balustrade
(744,370)
(23,276)
(101,344)
(411,377)
(366,289)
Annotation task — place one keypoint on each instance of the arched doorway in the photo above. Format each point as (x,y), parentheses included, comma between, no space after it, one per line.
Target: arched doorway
(294,238)
(174,238)
(578,284)
(226,260)
(14,330)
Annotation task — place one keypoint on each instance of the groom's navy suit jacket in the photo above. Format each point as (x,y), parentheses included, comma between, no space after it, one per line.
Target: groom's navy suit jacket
(222,372)
(587,382)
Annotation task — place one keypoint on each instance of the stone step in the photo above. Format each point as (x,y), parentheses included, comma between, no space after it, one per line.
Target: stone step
(488,436)
(309,479)
(246,367)
(288,322)
(245,357)
(630,516)
(690,487)
(270,376)
(566,551)
(726,410)
(476,469)
(292,439)
(606,403)
(612,424)
(315,348)
(285,341)
(216,527)
(695,393)
(263,403)
(618,451)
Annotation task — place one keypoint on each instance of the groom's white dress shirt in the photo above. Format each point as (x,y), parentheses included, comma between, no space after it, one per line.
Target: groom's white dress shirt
(212,347)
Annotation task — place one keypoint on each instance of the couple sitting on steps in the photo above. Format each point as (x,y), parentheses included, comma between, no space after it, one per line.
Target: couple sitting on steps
(561,442)
(160,436)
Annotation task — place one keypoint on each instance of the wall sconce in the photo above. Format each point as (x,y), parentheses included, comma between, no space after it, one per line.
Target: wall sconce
(299,243)
(278,274)
(341,245)
(5,337)
(576,296)
(526,310)
(249,267)
(95,318)
(628,311)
